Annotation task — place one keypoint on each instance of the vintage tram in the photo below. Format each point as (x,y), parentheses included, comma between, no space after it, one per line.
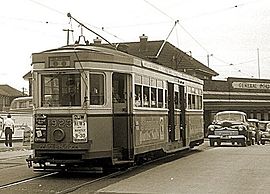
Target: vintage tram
(95,106)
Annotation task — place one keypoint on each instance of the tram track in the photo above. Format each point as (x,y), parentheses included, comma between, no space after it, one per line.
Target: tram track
(164,159)
(26,180)
(83,182)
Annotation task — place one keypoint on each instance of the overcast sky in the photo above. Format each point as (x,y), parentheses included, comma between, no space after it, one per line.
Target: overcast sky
(234,33)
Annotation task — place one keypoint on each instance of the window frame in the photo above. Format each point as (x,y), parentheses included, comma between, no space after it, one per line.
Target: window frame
(100,95)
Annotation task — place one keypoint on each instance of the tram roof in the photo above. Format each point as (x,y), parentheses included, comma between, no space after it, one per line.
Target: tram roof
(106,53)
(84,51)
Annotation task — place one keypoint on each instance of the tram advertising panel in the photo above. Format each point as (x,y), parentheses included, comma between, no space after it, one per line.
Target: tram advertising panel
(40,128)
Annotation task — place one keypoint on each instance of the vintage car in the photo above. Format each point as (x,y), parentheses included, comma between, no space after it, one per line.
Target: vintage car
(230,126)
(264,127)
(256,133)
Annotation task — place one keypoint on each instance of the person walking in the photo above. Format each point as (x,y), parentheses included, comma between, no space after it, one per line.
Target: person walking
(1,126)
(9,130)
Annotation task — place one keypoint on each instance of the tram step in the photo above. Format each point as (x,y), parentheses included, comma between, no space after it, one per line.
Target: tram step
(119,162)
(118,153)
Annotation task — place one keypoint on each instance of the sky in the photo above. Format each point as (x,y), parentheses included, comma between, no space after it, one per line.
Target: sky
(234,34)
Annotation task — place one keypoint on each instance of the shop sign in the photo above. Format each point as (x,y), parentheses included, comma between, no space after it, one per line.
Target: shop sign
(251,85)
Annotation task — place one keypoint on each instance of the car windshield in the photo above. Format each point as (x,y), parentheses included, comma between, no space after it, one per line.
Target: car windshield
(230,117)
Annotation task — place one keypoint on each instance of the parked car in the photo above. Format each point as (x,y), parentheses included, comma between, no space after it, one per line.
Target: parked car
(230,126)
(256,133)
(264,127)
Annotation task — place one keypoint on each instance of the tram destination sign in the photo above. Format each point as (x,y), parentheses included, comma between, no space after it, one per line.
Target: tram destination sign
(79,128)
(59,62)
(251,85)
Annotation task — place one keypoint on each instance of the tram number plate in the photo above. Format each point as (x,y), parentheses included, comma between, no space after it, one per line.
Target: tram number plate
(60,146)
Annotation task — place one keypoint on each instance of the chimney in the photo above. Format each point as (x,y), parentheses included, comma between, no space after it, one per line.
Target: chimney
(143,43)
(97,41)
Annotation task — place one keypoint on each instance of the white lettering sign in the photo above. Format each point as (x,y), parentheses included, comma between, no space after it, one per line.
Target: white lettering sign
(251,85)
(79,128)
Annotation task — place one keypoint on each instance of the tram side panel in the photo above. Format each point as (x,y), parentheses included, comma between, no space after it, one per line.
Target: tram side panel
(194,123)
(150,132)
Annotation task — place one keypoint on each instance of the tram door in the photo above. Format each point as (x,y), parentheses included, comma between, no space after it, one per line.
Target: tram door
(176,122)
(121,101)
(182,115)
(171,118)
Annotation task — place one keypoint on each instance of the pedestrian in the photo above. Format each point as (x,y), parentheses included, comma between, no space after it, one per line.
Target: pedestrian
(1,126)
(9,130)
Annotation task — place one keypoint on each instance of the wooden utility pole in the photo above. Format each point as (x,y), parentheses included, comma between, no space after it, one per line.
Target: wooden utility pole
(259,71)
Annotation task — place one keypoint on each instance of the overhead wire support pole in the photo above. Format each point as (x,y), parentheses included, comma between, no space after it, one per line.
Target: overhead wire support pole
(67,30)
(164,42)
(70,16)
(258,58)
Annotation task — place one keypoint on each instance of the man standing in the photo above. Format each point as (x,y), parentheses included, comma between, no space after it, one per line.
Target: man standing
(9,130)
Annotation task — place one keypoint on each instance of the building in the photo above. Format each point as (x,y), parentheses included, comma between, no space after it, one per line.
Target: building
(166,54)
(251,96)
(7,94)
(28,77)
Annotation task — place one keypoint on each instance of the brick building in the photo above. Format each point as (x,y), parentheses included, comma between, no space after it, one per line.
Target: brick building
(251,96)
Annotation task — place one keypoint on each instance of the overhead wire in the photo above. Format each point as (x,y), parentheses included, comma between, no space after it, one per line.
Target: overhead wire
(207,13)
(164,13)
(64,14)
(48,7)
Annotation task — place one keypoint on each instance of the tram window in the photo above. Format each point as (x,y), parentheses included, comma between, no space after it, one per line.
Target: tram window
(166,99)
(189,101)
(176,100)
(200,102)
(96,89)
(193,101)
(138,94)
(146,96)
(119,88)
(153,97)
(61,90)
(160,98)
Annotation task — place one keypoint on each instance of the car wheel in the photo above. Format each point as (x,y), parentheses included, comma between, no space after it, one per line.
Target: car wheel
(212,142)
(263,142)
(243,143)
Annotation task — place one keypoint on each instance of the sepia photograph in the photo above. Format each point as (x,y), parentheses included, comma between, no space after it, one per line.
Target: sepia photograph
(135,97)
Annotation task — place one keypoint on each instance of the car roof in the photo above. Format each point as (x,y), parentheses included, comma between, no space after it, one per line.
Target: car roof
(264,121)
(228,112)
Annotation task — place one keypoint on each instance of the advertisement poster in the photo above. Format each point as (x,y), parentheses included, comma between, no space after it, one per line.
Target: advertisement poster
(40,128)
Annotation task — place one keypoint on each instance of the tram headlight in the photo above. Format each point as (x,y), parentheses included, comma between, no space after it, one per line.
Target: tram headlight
(211,128)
